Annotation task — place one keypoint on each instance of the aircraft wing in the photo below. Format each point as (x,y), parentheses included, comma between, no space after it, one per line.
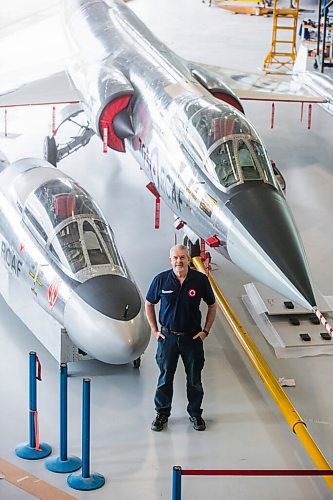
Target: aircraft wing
(257,87)
(32,71)
(33,57)
(57,88)
(53,89)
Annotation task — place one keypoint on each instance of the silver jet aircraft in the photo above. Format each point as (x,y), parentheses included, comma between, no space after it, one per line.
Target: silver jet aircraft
(57,249)
(189,133)
(187,130)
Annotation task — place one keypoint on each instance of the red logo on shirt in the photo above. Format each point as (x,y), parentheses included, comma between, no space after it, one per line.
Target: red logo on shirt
(192,293)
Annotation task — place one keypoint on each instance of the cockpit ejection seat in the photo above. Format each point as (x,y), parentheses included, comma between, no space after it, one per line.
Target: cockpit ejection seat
(64,205)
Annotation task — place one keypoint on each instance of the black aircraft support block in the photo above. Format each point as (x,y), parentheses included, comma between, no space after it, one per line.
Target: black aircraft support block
(314,320)
(305,336)
(326,336)
(288,304)
(294,321)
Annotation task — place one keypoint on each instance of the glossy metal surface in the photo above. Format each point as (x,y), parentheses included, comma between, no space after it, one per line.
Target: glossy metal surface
(54,240)
(197,150)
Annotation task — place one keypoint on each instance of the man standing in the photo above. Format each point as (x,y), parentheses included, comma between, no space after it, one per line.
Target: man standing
(180,291)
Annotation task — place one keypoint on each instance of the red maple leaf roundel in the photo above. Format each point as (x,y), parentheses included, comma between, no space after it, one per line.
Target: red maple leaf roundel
(52,294)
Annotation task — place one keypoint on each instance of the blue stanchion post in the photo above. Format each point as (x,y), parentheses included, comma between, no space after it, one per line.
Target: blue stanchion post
(85,480)
(86,429)
(32,398)
(63,463)
(176,482)
(33,450)
(63,411)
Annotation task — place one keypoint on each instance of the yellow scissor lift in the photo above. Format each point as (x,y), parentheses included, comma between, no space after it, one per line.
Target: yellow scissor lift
(282,55)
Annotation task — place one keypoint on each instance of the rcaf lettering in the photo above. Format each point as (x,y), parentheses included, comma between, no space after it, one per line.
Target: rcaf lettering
(11,259)
(164,181)
(166,184)
(145,154)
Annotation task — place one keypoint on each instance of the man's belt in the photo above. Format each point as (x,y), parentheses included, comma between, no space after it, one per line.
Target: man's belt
(174,332)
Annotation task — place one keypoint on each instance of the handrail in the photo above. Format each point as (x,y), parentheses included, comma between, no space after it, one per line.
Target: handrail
(286,407)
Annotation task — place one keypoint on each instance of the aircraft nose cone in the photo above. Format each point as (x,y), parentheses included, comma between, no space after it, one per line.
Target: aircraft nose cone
(263,240)
(104,317)
(115,296)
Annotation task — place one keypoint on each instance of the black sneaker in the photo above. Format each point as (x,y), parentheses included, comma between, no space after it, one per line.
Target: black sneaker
(159,422)
(198,423)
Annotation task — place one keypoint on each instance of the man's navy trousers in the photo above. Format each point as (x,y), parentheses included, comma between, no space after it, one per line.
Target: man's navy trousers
(192,353)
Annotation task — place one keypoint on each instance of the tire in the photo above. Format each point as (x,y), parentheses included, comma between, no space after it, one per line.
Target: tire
(50,150)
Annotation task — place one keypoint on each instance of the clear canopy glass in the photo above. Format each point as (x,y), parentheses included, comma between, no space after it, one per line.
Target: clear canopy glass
(223,142)
(68,222)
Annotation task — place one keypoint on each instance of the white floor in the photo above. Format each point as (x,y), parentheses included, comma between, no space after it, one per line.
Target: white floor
(244,427)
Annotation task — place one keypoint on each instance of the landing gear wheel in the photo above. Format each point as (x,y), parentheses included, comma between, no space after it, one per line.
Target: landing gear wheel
(193,248)
(50,150)
(137,362)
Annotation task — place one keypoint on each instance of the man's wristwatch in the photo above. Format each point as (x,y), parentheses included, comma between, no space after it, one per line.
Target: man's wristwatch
(206,332)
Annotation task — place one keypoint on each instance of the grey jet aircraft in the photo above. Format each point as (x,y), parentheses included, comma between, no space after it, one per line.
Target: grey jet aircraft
(57,249)
(187,130)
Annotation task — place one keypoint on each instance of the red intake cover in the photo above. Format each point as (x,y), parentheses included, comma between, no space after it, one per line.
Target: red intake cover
(106,121)
(229,99)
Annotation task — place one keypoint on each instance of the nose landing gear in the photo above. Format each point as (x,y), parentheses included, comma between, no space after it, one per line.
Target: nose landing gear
(193,248)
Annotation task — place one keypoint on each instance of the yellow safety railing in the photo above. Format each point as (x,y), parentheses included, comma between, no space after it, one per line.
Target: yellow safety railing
(286,407)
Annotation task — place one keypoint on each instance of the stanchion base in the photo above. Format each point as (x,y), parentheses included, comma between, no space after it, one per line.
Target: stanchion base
(93,482)
(55,464)
(25,451)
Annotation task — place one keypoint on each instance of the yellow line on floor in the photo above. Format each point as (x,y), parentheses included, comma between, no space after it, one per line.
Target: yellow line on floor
(31,484)
(280,397)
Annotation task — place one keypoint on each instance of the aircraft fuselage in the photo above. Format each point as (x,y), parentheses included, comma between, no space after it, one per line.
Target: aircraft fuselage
(204,157)
(57,250)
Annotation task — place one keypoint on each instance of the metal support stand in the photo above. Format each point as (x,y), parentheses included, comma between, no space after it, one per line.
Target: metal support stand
(86,480)
(33,450)
(63,463)
(176,482)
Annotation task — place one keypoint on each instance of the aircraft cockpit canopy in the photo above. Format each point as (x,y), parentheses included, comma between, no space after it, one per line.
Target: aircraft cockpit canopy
(226,145)
(237,159)
(68,222)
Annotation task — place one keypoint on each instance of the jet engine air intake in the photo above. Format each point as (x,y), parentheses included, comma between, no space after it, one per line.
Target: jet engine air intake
(228,98)
(108,93)
(216,86)
(119,129)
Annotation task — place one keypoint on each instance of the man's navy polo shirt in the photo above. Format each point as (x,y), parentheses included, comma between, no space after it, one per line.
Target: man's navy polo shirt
(179,309)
